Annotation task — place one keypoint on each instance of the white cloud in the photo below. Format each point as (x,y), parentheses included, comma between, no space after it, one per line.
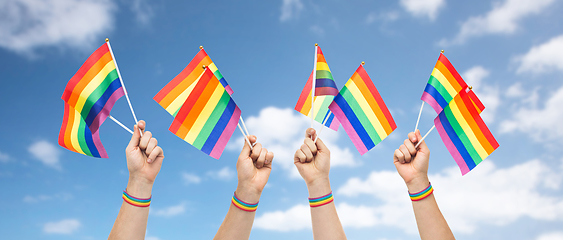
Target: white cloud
(488,94)
(502,19)
(142,10)
(190,178)
(423,8)
(169,211)
(224,174)
(542,124)
(4,158)
(543,58)
(290,10)
(47,153)
(282,131)
(29,24)
(477,199)
(42,198)
(515,91)
(551,236)
(66,226)
(294,219)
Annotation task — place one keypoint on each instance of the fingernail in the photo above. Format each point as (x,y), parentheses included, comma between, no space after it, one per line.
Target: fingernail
(149,160)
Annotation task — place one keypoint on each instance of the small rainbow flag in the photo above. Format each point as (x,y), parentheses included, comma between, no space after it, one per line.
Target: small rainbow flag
(444,84)
(208,117)
(89,96)
(175,93)
(325,90)
(362,112)
(464,133)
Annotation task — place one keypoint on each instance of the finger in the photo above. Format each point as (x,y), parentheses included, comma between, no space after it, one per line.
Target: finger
(311,145)
(142,125)
(145,140)
(299,156)
(398,156)
(311,133)
(410,147)
(422,145)
(307,152)
(269,159)
(255,154)
(246,149)
(135,138)
(321,146)
(156,155)
(150,147)
(261,158)
(405,151)
(412,137)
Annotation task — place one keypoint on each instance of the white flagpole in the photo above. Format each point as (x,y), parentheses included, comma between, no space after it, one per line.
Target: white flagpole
(419,113)
(425,135)
(245,137)
(120,124)
(322,127)
(244,126)
(313,88)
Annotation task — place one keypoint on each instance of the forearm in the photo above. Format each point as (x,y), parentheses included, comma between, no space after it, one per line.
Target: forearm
(131,222)
(238,223)
(326,224)
(430,221)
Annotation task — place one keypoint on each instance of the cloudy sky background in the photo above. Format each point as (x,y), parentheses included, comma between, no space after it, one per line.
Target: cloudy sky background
(510,51)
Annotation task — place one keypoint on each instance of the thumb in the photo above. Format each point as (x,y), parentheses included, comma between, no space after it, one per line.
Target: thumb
(135,139)
(321,146)
(246,149)
(311,133)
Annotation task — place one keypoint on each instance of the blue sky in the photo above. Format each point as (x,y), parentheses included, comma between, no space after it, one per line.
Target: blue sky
(510,51)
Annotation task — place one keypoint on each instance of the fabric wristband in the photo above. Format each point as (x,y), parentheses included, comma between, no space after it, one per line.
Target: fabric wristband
(320,201)
(137,202)
(422,194)
(249,207)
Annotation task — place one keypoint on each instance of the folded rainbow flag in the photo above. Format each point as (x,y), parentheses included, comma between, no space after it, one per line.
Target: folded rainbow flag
(175,93)
(362,112)
(444,84)
(325,90)
(464,133)
(208,117)
(89,96)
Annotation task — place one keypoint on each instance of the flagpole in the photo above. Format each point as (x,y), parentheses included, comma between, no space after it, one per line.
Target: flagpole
(322,127)
(122,84)
(245,137)
(419,113)
(433,126)
(244,126)
(313,88)
(120,124)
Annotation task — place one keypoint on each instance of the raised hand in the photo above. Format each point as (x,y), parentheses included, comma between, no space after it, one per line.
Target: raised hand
(253,170)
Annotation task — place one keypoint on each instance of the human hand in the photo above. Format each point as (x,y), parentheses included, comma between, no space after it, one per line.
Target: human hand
(313,162)
(411,163)
(253,170)
(144,159)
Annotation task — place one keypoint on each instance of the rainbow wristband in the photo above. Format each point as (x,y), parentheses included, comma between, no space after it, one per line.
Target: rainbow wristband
(249,207)
(422,194)
(137,202)
(319,201)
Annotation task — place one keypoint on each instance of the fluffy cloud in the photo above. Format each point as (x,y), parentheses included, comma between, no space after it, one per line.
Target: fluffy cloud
(502,19)
(290,10)
(542,124)
(66,226)
(487,93)
(46,153)
(543,58)
(28,24)
(551,236)
(4,158)
(224,174)
(282,131)
(190,178)
(294,219)
(169,211)
(142,10)
(423,8)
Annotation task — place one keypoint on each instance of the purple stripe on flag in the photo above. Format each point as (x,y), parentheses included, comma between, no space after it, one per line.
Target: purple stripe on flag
(348,127)
(450,146)
(104,113)
(224,139)
(430,100)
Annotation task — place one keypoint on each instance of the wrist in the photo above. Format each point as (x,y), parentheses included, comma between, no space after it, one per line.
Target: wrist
(139,188)
(418,184)
(319,187)
(247,194)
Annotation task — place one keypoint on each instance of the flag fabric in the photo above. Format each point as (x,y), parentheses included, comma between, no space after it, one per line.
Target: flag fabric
(89,97)
(444,84)
(208,117)
(175,93)
(325,90)
(362,112)
(464,132)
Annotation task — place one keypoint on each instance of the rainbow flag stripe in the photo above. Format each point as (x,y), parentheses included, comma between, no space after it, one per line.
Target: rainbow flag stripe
(444,84)
(362,112)
(175,93)
(325,84)
(208,117)
(464,133)
(95,88)
(77,137)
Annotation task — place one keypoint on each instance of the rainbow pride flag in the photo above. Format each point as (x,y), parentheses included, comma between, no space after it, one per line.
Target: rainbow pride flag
(175,93)
(464,133)
(444,84)
(208,117)
(325,90)
(362,112)
(89,97)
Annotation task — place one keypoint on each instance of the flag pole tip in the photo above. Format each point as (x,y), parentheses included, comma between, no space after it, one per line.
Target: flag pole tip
(363,62)
(442,51)
(200,47)
(470,87)
(107,39)
(203,66)
(316,44)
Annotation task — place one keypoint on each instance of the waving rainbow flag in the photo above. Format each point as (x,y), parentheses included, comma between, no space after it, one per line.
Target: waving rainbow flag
(444,84)
(325,90)
(89,97)
(362,112)
(175,93)
(208,117)
(464,133)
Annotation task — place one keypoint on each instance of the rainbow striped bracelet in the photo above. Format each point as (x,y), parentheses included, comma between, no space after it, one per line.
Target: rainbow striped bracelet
(137,202)
(249,207)
(422,194)
(320,201)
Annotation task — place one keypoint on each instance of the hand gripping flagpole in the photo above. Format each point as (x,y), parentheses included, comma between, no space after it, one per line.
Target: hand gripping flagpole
(122,84)
(313,87)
